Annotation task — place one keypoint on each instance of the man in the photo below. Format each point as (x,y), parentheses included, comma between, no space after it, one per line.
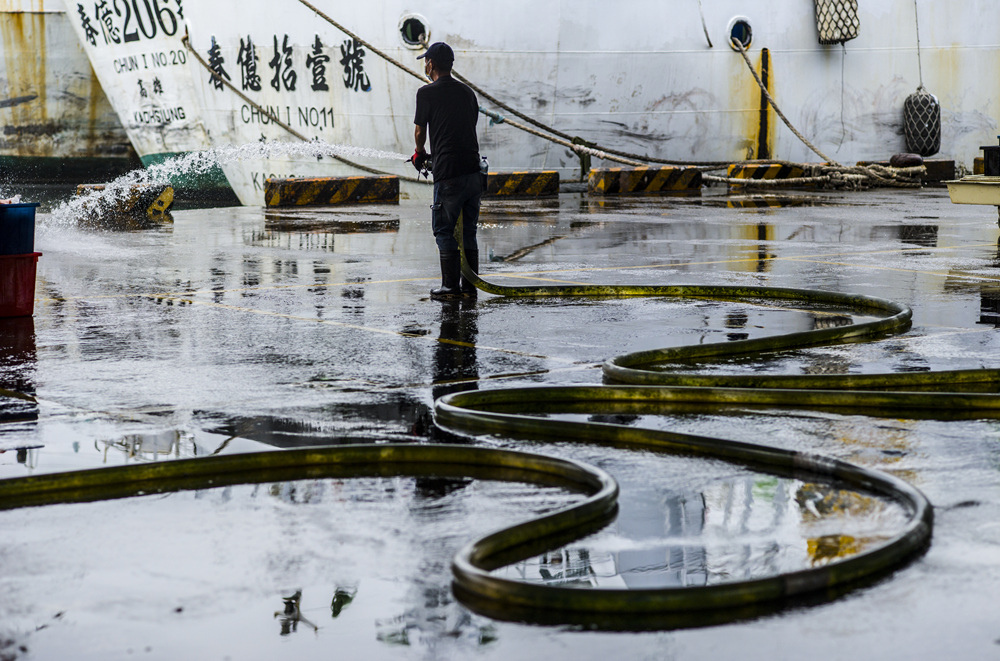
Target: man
(449,110)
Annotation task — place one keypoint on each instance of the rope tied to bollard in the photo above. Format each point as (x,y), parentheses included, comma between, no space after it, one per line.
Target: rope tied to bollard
(831,172)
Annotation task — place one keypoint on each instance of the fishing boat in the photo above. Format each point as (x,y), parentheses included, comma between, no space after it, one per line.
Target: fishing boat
(860,80)
(56,121)
(135,47)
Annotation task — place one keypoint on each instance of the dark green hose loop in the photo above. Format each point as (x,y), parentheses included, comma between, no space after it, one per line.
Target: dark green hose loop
(470,412)
(506,412)
(339,461)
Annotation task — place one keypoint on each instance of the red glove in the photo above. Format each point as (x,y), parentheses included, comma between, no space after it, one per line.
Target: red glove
(418,160)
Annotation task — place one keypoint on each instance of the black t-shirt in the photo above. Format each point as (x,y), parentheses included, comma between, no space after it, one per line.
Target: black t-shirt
(450,110)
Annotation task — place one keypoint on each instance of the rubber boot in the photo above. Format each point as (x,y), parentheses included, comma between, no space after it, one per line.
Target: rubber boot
(468,289)
(451,270)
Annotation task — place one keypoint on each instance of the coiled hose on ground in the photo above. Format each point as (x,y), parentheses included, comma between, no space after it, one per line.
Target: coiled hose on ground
(489,412)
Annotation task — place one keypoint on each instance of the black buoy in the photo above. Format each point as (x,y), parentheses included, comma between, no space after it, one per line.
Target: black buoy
(922,123)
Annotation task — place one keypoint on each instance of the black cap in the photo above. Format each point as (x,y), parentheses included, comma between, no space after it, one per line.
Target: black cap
(440,52)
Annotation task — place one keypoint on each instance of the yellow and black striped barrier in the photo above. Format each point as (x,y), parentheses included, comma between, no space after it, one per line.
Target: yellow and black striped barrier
(759,171)
(522,184)
(325,191)
(626,181)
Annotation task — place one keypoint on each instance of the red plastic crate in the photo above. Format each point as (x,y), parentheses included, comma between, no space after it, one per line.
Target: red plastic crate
(17,284)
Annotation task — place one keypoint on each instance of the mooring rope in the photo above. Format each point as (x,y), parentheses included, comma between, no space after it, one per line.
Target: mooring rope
(920,64)
(767,95)
(554,135)
(854,177)
(832,176)
(834,173)
(704,25)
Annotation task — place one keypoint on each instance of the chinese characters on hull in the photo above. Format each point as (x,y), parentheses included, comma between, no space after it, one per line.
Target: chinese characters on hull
(215,62)
(157,88)
(284,63)
(248,59)
(316,62)
(126,21)
(353,61)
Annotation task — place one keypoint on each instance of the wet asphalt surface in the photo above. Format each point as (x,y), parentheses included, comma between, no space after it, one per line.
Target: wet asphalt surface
(239,329)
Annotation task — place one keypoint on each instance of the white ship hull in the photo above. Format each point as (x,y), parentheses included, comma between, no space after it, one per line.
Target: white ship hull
(640,78)
(56,120)
(136,49)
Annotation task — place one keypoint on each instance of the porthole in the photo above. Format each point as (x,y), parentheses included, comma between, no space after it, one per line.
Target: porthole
(739,29)
(414,31)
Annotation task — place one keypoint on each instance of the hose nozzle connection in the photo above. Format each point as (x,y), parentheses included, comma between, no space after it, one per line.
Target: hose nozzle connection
(422,162)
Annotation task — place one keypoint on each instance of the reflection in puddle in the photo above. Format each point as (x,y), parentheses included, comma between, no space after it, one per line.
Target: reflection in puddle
(919,235)
(152,446)
(342,598)
(317,224)
(18,363)
(397,416)
(624,203)
(359,564)
(318,230)
(989,306)
(291,615)
(744,529)
(765,202)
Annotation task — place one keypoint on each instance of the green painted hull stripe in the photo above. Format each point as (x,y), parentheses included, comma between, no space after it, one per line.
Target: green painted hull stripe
(213,178)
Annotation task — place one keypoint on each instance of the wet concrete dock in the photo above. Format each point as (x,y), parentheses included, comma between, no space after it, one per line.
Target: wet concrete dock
(239,329)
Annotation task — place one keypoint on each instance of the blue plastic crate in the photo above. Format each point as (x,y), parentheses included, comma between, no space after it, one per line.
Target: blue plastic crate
(17,228)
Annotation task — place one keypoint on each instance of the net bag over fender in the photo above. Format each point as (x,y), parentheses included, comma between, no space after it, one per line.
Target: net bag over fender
(922,123)
(837,20)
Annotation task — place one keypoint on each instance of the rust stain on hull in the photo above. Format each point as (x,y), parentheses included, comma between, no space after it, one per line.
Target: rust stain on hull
(30,6)
(51,105)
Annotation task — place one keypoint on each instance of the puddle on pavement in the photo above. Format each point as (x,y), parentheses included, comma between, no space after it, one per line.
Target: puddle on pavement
(766,202)
(310,229)
(989,306)
(741,529)
(919,235)
(151,446)
(361,566)
(309,566)
(309,221)
(18,367)
(306,568)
